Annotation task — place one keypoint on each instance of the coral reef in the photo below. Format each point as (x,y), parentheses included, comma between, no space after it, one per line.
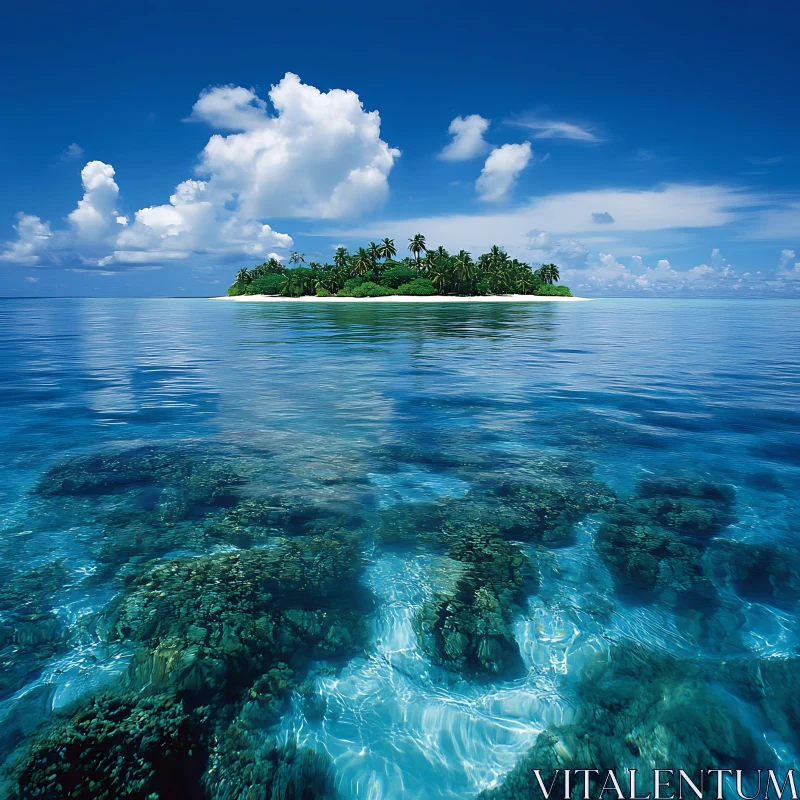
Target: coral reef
(202,478)
(762,572)
(247,764)
(469,630)
(208,624)
(773,686)
(653,542)
(116,747)
(639,710)
(546,512)
(255,520)
(540,512)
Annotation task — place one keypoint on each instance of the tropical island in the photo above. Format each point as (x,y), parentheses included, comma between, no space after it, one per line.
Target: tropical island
(374,272)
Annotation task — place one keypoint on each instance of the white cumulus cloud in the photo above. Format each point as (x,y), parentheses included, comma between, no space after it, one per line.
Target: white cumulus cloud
(500,172)
(95,218)
(319,156)
(468,141)
(34,240)
(788,268)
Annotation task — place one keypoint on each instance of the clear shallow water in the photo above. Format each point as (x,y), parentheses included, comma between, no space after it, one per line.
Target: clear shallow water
(353,413)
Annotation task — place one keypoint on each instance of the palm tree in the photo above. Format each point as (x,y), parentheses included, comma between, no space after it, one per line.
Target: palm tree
(387,248)
(374,252)
(525,282)
(243,276)
(464,268)
(340,257)
(303,281)
(289,285)
(439,279)
(362,263)
(548,273)
(416,244)
(296,258)
(431,264)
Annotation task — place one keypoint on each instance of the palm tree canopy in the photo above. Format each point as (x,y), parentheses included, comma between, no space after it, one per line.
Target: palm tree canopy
(493,271)
(388,250)
(340,257)
(416,244)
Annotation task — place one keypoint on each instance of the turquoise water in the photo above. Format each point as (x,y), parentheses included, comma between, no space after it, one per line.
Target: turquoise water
(376,551)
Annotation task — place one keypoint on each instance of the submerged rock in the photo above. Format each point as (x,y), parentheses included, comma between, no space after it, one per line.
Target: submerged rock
(638,710)
(246,764)
(207,625)
(470,629)
(116,747)
(546,513)
(201,478)
(256,520)
(653,543)
(762,572)
(540,512)
(772,685)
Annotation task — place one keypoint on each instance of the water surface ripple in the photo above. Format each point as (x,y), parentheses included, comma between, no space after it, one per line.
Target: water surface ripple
(410,428)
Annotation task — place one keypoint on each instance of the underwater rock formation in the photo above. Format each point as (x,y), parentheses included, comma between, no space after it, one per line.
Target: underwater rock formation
(116,747)
(223,637)
(246,764)
(653,542)
(772,685)
(761,572)
(206,624)
(638,710)
(202,478)
(546,513)
(255,520)
(539,512)
(469,630)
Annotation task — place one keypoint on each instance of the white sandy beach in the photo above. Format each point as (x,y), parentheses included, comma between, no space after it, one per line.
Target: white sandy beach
(436,298)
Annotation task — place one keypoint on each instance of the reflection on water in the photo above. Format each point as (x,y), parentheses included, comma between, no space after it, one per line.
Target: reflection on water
(375,551)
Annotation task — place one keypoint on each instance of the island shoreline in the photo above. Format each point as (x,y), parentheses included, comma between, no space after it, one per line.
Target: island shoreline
(434,298)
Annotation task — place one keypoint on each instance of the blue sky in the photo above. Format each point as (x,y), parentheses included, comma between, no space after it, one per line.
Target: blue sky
(155,148)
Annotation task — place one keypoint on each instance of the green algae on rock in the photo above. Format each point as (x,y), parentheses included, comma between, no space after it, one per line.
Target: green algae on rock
(638,710)
(469,629)
(654,541)
(116,747)
(207,624)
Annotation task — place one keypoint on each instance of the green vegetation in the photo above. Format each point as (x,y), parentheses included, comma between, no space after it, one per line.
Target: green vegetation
(374,272)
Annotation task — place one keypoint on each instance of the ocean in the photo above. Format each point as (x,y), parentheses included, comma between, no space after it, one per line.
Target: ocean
(395,551)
